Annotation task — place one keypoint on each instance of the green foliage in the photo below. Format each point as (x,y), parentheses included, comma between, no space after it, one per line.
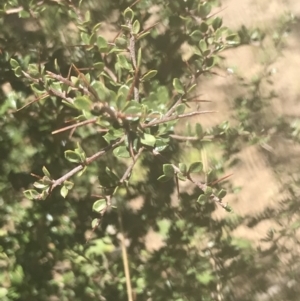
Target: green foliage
(99,119)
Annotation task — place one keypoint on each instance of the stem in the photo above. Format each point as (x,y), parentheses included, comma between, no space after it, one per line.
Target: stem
(125,259)
(87,162)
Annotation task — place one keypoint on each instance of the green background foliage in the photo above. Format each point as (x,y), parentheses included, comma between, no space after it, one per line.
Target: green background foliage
(66,243)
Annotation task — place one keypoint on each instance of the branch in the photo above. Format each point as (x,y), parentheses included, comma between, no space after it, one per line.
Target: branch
(174,117)
(130,167)
(94,120)
(135,84)
(202,186)
(189,138)
(87,162)
(213,197)
(67,82)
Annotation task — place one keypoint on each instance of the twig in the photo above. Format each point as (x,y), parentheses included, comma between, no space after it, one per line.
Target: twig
(67,82)
(122,238)
(111,74)
(190,138)
(87,162)
(125,259)
(173,117)
(183,138)
(130,167)
(213,197)
(33,101)
(135,83)
(202,186)
(75,126)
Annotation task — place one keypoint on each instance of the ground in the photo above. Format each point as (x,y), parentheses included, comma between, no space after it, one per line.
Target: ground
(260,185)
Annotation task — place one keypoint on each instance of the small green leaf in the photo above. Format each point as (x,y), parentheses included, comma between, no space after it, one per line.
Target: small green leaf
(102,44)
(101,90)
(38,89)
(85,38)
(99,205)
(14,63)
(211,176)
(222,193)
(199,130)
(196,167)
(46,172)
(228,208)
(40,185)
(204,10)
(142,35)
(80,152)
(182,168)
(210,62)
(69,185)
(233,39)
(79,174)
(202,45)
(121,42)
(178,86)
(95,223)
(168,170)
(191,88)
(161,144)
(64,191)
(136,27)
(31,194)
(123,62)
(128,14)
(202,199)
(132,108)
(208,191)
(181,177)
(83,103)
(163,179)
(18,71)
(126,28)
(24,14)
(113,135)
(150,74)
(96,27)
(139,57)
(99,66)
(204,27)
(87,16)
(43,195)
(72,156)
(180,109)
(148,140)
(121,152)
(112,175)
(217,23)
(196,35)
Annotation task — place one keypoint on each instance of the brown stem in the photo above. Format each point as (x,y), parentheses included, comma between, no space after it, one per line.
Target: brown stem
(87,162)
(173,117)
(75,126)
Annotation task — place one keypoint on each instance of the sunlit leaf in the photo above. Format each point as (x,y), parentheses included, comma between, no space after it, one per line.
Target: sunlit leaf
(99,205)
(148,139)
(72,156)
(168,170)
(195,167)
(64,191)
(128,14)
(82,103)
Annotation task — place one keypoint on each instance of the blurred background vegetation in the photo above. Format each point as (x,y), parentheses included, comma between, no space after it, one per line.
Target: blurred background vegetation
(177,250)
